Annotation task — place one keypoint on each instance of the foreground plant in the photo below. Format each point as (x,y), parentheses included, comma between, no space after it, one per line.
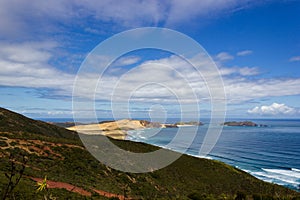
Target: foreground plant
(43,186)
(17,168)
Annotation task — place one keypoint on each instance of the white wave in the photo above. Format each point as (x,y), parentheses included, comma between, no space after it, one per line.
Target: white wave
(276,178)
(264,177)
(199,156)
(248,171)
(207,157)
(296,170)
(288,173)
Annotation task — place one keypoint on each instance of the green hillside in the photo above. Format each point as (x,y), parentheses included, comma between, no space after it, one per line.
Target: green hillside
(14,122)
(58,154)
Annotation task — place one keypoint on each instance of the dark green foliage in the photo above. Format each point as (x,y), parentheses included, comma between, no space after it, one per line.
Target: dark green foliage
(15,123)
(240,196)
(3,143)
(14,175)
(195,196)
(182,178)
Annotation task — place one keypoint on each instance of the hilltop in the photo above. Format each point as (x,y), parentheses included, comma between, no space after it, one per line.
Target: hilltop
(58,154)
(15,123)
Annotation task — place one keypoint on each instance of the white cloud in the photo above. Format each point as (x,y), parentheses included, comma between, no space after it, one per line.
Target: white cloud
(21,18)
(27,52)
(224,56)
(243,71)
(244,53)
(182,11)
(129,60)
(158,80)
(27,65)
(240,89)
(274,109)
(248,71)
(179,76)
(294,59)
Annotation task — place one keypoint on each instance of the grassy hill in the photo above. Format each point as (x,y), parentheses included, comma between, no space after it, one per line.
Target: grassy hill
(14,122)
(58,154)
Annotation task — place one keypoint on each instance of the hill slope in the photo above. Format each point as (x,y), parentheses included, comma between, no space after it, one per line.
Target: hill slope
(52,152)
(16,123)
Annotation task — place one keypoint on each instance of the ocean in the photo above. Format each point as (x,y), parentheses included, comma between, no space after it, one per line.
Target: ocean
(269,153)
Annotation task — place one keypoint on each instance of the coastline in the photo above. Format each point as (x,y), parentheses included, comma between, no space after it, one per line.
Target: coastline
(210,157)
(279,173)
(264,166)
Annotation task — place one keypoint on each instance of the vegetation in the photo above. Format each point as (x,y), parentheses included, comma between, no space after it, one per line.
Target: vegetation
(13,122)
(61,157)
(14,176)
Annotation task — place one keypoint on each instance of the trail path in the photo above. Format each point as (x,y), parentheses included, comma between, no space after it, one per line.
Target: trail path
(72,188)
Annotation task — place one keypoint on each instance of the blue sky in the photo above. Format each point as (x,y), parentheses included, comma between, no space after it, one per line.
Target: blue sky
(255,44)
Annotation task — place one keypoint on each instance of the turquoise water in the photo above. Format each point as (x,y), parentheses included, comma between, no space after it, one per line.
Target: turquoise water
(269,153)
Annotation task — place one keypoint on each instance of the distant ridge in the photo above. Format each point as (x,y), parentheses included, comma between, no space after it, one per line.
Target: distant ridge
(17,123)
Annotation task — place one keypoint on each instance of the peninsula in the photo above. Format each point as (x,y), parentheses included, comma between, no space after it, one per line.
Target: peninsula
(118,129)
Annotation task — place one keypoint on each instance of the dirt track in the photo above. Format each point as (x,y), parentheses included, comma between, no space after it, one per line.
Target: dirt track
(72,188)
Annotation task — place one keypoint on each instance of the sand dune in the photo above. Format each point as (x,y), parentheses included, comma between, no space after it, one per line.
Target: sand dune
(116,129)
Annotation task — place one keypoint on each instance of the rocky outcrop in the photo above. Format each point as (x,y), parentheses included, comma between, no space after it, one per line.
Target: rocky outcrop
(148,124)
(243,123)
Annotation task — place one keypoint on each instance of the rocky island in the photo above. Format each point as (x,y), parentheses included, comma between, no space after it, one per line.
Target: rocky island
(191,123)
(243,123)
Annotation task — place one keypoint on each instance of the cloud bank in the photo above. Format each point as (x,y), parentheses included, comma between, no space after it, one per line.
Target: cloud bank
(28,65)
(274,110)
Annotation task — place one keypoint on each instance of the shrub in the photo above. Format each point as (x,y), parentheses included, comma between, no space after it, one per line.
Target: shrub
(240,196)
(195,196)
(3,144)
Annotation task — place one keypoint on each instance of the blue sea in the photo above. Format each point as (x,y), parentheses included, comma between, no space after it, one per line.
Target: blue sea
(269,153)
